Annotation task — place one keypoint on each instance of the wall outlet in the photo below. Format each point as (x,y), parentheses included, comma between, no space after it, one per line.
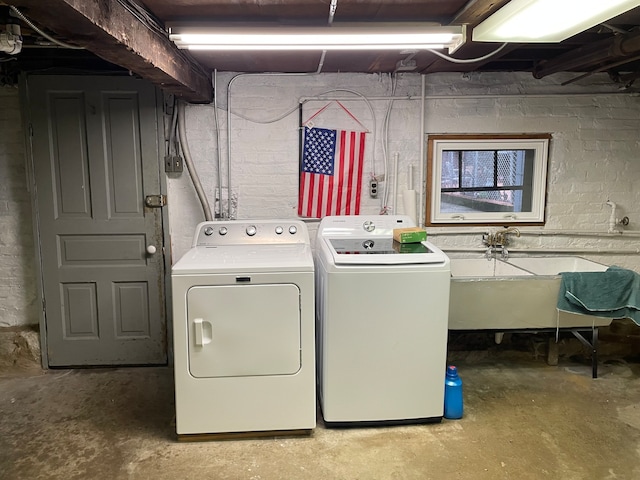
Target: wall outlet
(373,188)
(173,164)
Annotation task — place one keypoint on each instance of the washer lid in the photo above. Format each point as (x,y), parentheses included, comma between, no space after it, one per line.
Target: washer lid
(381,251)
(246,258)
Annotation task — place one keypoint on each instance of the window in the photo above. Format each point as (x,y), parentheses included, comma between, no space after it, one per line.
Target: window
(486,179)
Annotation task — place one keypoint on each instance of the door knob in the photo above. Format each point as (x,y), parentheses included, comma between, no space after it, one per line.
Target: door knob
(151,249)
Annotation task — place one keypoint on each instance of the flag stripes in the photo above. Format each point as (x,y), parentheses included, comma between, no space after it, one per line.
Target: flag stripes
(331,173)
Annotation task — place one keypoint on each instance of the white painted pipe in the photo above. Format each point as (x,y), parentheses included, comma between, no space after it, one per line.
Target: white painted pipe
(410,182)
(423,160)
(395,183)
(602,251)
(612,217)
(540,233)
(409,197)
(409,203)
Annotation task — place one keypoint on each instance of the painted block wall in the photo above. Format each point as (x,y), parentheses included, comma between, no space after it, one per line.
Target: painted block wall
(594,156)
(594,152)
(17,269)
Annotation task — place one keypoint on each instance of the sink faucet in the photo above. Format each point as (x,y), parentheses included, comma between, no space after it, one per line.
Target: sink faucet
(499,240)
(504,237)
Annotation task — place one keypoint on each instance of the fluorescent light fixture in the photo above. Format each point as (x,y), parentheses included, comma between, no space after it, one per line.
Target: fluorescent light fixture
(371,36)
(540,21)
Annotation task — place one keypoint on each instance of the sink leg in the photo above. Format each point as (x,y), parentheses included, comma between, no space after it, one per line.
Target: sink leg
(552,352)
(593,345)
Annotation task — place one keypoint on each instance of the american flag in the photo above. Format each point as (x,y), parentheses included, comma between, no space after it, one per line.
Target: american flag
(331,172)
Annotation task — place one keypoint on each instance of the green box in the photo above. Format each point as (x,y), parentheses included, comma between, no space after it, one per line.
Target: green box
(409,235)
(408,247)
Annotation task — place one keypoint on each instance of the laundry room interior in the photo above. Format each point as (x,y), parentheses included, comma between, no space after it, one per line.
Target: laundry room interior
(149,190)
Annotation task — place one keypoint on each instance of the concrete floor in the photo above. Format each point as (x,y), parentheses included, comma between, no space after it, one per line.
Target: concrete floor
(523,420)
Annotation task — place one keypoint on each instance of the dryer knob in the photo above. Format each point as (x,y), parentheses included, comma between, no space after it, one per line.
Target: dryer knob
(223,231)
(279,230)
(208,231)
(251,230)
(293,229)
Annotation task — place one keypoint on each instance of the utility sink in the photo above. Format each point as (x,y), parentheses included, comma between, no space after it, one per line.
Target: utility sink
(556,265)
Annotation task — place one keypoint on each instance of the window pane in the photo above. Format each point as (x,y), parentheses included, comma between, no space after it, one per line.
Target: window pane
(478,168)
(475,180)
(485,179)
(450,170)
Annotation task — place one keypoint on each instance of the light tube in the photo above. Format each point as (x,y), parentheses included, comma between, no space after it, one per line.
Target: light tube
(541,21)
(352,37)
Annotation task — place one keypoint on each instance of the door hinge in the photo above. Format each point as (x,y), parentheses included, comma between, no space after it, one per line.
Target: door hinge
(155,201)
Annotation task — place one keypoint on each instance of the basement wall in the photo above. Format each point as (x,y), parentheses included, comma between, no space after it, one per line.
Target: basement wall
(593,158)
(17,264)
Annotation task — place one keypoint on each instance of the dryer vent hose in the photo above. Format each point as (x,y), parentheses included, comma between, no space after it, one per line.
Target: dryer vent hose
(189,162)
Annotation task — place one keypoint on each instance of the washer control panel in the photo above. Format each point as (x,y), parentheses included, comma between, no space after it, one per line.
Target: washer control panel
(362,225)
(243,232)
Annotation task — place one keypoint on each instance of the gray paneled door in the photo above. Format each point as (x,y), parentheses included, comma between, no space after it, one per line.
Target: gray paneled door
(95,149)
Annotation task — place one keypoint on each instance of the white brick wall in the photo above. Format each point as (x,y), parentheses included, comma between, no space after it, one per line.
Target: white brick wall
(17,273)
(594,156)
(594,151)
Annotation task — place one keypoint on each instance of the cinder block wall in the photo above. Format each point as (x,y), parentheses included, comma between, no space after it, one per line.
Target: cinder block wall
(17,264)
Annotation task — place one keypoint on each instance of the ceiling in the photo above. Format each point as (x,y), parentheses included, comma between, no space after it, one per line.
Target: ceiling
(446,12)
(613,47)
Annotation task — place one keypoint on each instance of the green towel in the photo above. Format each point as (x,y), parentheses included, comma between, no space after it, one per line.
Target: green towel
(614,293)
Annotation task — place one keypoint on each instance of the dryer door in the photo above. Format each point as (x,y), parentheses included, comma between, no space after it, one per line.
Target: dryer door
(243,330)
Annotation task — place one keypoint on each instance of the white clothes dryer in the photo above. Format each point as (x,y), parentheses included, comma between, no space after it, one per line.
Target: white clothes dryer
(382,313)
(243,325)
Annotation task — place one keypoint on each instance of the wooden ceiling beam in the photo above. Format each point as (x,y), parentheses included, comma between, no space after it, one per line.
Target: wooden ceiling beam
(110,31)
(475,11)
(616,50)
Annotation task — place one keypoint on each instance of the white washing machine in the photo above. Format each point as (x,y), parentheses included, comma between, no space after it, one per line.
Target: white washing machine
(382,314)
(243,325)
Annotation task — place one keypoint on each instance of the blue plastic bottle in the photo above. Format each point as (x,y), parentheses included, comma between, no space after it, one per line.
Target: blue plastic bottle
(453,406)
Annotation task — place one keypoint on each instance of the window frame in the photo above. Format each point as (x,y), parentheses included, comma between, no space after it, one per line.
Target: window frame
(436,144)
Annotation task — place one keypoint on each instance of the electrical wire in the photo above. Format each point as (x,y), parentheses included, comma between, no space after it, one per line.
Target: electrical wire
(467,60)
(172,132)
(144,17)
(265,122)
(45,35)
(137,11)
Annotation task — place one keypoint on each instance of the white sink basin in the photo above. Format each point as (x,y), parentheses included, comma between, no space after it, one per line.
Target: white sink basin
(520,294)
(481,267)
(555,265)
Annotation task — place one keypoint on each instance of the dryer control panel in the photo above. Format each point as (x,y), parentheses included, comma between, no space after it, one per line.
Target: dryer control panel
(248,232)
